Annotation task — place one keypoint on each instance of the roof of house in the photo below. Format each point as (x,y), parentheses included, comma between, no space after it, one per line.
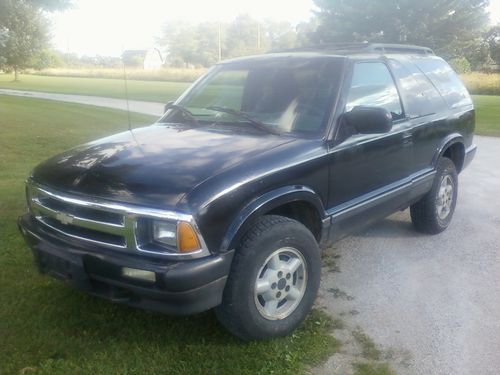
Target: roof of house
(134,52)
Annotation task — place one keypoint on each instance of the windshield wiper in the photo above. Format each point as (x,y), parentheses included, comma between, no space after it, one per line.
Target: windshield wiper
(256,123)
(183,110)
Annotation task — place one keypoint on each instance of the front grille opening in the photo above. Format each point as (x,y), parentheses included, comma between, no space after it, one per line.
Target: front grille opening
(85,233)
(83,212)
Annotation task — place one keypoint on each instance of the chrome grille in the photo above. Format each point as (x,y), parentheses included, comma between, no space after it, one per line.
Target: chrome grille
(102,223)
(79,220)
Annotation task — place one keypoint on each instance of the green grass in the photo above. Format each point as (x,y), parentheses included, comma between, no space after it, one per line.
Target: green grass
(48,327)
(488,115)
(373,369)
(368,347)
(160,92)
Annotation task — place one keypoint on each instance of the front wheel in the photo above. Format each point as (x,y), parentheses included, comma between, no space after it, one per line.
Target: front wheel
(273,282)
(432,214)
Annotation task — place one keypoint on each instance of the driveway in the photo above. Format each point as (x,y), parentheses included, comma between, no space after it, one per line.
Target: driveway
(431,301)
(148,108)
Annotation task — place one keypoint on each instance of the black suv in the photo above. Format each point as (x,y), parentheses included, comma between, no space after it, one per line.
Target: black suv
(226,200)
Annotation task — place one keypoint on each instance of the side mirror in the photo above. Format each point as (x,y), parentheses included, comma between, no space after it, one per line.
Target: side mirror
(369,120)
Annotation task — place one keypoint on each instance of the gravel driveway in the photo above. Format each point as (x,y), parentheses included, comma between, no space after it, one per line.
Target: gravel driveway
(432,300)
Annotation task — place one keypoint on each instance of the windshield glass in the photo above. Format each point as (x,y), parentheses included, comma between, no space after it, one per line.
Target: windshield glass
(287,95)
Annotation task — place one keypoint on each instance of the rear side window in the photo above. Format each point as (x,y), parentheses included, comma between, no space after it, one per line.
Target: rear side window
(421,98)
(372,85)
(445,80)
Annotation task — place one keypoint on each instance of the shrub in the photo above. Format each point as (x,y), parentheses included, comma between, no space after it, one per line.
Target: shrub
(482,83)
(461,65)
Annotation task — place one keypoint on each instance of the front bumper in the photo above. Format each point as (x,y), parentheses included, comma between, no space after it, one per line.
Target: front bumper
(181,287)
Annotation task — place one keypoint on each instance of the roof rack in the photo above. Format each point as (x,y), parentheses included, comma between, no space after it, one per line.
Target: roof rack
(364,48)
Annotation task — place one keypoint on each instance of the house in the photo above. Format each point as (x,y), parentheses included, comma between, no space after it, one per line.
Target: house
(147,59)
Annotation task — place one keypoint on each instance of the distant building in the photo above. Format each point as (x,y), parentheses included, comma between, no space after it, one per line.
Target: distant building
(146,59)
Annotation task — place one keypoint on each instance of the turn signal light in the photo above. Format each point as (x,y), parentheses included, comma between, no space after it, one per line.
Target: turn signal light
(187,239)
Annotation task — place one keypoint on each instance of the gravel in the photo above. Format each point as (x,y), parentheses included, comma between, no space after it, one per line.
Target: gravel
(432,302)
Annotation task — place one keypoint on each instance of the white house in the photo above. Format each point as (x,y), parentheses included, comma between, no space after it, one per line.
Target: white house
(149,59)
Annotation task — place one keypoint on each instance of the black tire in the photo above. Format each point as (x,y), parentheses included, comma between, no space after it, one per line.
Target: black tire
(239,311)
(424,213)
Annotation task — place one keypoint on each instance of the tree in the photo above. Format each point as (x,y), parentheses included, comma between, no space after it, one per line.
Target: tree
(243,37)
(448,26)
(50,5)
(492,37)
(198,45)
(25,31)
(27,36)
(279,35)
(207,43)
(45,59)
(180,41)
(3,41)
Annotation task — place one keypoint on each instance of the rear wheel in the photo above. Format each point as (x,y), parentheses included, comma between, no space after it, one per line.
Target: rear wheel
(273,282)
(432,214)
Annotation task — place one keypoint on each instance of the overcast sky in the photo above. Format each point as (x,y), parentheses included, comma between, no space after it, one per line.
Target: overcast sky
(107,27)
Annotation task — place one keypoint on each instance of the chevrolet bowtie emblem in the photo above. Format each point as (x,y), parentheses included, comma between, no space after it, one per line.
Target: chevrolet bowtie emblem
(64,218)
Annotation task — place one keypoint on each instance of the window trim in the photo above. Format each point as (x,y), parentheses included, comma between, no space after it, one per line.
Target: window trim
(345,89)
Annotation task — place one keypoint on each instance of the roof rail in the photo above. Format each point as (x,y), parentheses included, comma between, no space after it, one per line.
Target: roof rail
(364,47)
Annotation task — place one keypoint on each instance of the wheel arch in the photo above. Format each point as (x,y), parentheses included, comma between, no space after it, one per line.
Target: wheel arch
(296,202)
(452,147)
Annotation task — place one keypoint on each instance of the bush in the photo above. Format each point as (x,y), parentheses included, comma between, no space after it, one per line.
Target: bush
(461,65)
(482,83)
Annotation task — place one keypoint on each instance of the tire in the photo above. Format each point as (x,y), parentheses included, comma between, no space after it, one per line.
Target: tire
(432,214)
(286,295)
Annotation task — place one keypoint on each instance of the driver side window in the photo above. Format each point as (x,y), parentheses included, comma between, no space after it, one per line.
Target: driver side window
(373,86)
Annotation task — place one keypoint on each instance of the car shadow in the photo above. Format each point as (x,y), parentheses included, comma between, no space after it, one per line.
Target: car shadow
(398,225)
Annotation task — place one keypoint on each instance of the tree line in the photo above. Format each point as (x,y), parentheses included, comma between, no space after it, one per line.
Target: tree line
(456,29)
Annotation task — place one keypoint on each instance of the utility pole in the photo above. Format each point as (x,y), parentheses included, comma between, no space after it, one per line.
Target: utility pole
(258,35)
(220,43)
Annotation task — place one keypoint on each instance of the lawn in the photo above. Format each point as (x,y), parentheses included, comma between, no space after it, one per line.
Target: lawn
(488,107)
(488,115)
(160,92)
(49,328)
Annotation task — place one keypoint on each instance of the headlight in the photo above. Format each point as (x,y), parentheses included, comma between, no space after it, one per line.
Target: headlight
(180,236)
(165,233)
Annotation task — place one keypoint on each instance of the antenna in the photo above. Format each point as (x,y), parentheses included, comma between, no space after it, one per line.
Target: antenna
(126,91)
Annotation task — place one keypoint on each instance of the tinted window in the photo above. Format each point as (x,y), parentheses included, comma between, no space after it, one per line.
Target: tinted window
(293,95)
(420,96)
(445,80)
(372,85)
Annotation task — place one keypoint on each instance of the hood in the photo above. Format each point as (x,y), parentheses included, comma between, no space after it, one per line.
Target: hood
(155,165)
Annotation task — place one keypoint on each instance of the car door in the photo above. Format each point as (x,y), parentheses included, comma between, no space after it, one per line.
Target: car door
(369,173)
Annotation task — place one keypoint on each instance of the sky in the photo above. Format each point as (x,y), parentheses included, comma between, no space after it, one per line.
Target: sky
(107,27)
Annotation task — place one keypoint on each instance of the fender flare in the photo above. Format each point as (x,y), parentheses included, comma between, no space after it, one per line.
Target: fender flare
(451,139)
(267,202)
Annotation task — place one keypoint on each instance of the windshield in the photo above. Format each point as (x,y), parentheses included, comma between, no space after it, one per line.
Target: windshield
(286,95)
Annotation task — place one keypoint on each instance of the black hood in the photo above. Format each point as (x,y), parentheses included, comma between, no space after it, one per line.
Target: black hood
(155,165)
